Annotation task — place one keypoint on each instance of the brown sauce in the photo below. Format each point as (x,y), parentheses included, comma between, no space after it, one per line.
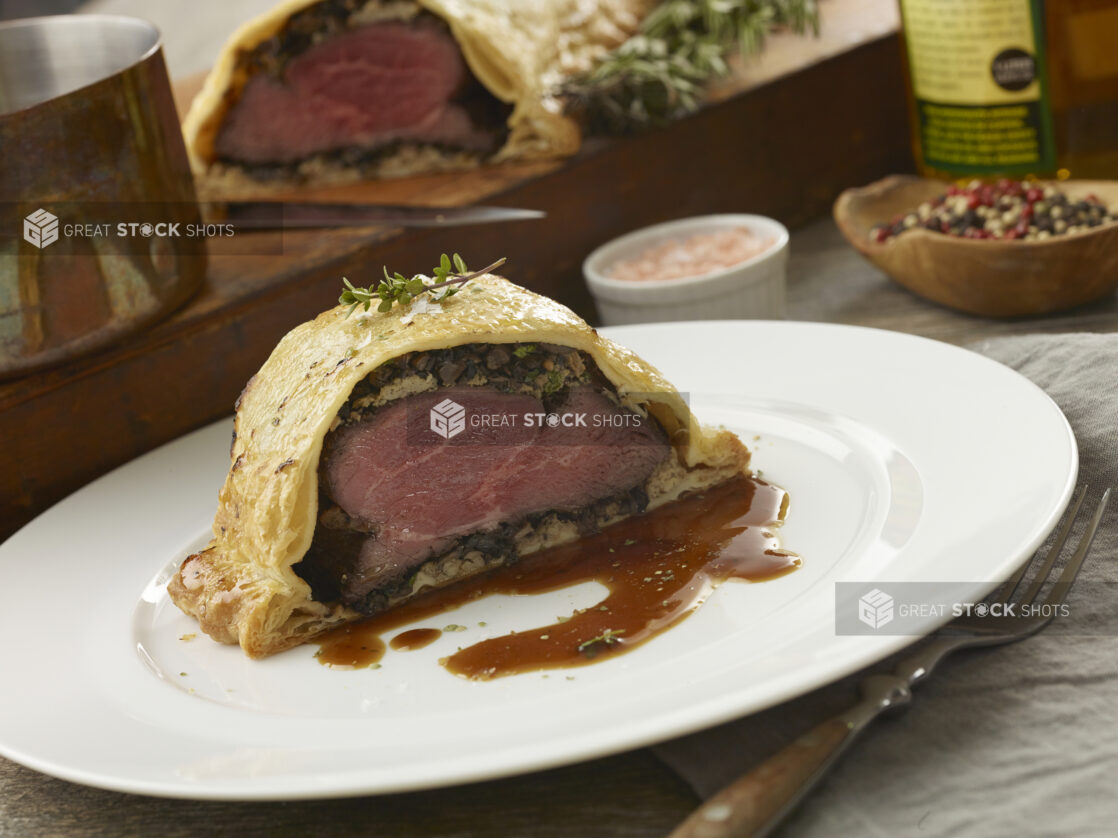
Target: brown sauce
(658,568)
(351,647)
(414,639)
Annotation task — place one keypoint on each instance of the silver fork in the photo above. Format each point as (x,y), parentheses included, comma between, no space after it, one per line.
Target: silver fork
(755,803)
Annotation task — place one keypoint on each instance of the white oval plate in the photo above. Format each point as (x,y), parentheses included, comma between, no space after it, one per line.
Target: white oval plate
(906,460)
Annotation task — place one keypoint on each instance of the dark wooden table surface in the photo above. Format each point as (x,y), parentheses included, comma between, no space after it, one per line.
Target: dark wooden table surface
(630,794)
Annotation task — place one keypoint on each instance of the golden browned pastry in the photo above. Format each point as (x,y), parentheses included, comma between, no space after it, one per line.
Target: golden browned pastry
(324,92)
(381,454)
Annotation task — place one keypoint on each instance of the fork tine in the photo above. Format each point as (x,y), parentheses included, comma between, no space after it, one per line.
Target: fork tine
(1071,570)
(1005,592)
(1055,550)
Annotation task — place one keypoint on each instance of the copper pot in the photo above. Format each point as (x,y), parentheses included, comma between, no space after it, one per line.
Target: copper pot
(89,140)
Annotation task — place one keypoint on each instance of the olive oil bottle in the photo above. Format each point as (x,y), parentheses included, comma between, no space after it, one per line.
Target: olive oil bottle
(1013,87)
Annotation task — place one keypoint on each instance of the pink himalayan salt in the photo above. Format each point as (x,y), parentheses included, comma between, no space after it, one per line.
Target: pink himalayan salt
(696,255)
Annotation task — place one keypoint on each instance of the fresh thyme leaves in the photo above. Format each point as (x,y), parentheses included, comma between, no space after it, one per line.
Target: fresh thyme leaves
(660,73)
(442,272)
(595,645)
(450,274)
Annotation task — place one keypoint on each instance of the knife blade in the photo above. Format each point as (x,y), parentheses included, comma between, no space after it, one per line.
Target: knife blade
(291,215)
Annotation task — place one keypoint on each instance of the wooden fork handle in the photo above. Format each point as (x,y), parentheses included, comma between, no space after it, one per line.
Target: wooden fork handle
(756,802)
(757,799)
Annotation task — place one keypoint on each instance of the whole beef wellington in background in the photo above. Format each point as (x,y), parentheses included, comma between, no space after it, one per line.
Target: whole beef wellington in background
(341,90)
(383,454)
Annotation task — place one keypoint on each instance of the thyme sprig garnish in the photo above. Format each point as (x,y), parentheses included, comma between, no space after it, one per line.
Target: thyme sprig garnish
(450,274)
(592,647)
(660,74)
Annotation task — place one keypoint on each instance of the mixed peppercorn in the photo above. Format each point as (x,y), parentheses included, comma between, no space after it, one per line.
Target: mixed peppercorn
(1008,209)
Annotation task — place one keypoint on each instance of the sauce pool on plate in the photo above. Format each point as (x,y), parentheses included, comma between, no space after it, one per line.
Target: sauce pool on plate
(658,568)
(414,639)
(695,255)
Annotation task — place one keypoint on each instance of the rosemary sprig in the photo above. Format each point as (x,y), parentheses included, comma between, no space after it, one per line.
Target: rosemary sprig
(450,274)
(660,74)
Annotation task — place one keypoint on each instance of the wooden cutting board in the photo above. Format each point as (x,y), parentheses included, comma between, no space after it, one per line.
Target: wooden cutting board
(782,137)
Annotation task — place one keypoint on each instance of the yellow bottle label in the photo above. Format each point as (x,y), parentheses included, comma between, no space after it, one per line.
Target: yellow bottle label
(978,79)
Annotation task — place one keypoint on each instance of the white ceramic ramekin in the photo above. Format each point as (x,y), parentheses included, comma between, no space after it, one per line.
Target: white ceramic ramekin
(750,289)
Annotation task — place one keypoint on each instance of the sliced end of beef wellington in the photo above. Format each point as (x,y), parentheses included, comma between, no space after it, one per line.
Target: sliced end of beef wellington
(383,454)
(331,91)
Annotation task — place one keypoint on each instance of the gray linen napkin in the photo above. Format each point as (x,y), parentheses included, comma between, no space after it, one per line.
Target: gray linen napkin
(1016,741)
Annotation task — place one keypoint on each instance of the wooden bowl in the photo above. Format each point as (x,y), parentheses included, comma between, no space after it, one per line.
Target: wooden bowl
(982,276)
